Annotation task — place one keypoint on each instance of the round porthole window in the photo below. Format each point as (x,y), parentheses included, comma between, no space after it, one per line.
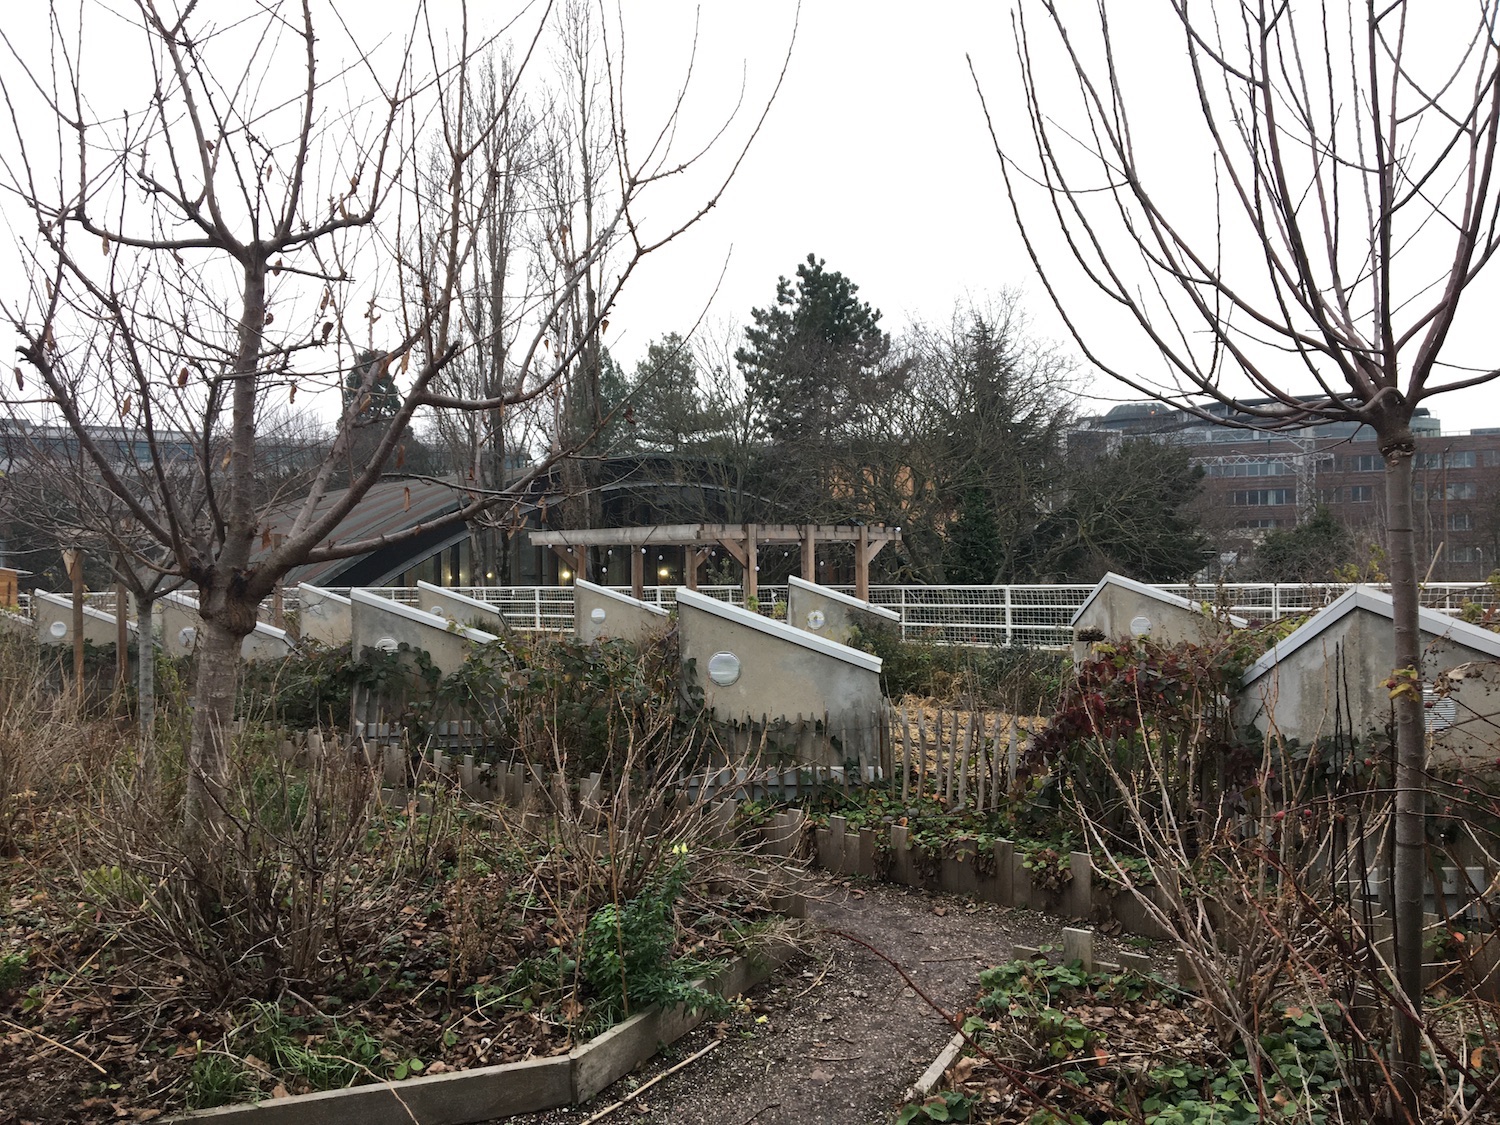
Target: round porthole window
(437,611)
(597,614)
(58,629)
(816,620)
(386,644)
(1140,626)
(723,668)
(186,636)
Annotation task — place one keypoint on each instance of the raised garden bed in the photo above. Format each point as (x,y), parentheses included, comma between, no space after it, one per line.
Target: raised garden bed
(492,1092)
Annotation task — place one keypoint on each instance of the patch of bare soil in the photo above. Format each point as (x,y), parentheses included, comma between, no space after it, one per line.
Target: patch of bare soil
(837,1037)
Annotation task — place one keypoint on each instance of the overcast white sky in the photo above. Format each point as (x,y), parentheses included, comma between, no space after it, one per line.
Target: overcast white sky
(875,157)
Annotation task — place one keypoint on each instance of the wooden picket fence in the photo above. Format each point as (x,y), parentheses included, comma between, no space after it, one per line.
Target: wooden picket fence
(965,759)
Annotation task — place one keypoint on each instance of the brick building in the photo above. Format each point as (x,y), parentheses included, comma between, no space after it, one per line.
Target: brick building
(1256,481)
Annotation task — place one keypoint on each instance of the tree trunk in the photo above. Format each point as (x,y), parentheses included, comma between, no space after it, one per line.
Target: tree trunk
(213,712)
(1411,763)
(147,772)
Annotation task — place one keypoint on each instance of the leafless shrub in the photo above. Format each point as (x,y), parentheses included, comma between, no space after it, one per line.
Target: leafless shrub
(297,887)
(1263,898)
(47,744)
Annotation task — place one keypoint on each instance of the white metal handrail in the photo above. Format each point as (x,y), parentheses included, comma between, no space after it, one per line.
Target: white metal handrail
(1030,616)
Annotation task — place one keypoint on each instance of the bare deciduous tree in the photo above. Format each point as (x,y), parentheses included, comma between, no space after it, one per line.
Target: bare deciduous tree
(1348,168)
(239,233)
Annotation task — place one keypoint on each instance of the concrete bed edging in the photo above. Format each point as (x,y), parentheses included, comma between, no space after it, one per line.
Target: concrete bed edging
(936,1071)
(490,1092)
(1005,881)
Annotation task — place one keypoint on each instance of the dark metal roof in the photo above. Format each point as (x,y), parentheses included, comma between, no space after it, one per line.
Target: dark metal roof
(389,507)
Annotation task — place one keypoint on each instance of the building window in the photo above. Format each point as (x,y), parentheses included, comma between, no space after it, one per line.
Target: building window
(1460,521)
(1429,461)
(1329,495)
(1251,469)
(1261,497)
(1367,463)
(1492,458)
(1462,490)
(1361,493)
(1461,459)
(1463,554)
(1258,524)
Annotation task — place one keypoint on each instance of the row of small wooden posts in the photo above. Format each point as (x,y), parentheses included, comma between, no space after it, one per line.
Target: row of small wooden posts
(965,759)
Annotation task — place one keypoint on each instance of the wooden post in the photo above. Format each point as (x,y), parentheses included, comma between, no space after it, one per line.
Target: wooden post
(752,568)
(963,769)
(905,757)
(950,782)
(981,767)
(73,559)
(690,567)
(862,565)
(921,752)
(122,638)
(278,605)
(575,559)
(637,572)
(810,552)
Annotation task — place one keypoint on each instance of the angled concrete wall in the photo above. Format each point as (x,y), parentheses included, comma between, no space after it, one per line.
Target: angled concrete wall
(832,613)
(99,628)
(323,616)
(1463,721)
(749,667)
(599,612)
(380,623)
(181,627)
(1340,659)
(459,608)
(1122,607)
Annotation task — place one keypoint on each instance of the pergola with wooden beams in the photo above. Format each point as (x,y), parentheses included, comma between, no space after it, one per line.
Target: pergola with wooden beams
(740,540)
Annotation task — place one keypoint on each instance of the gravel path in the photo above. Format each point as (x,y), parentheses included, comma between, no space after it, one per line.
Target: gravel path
(838,1037)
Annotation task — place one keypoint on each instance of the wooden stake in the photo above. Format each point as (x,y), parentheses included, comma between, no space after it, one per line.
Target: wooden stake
(122,639)
(937,749)
(995,772)
(905,756)
(921,752)
(981,765)
(963,775)
(74,559)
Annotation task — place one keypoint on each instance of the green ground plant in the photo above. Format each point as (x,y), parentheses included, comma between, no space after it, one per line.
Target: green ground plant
(1127,1049)
(628,956)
